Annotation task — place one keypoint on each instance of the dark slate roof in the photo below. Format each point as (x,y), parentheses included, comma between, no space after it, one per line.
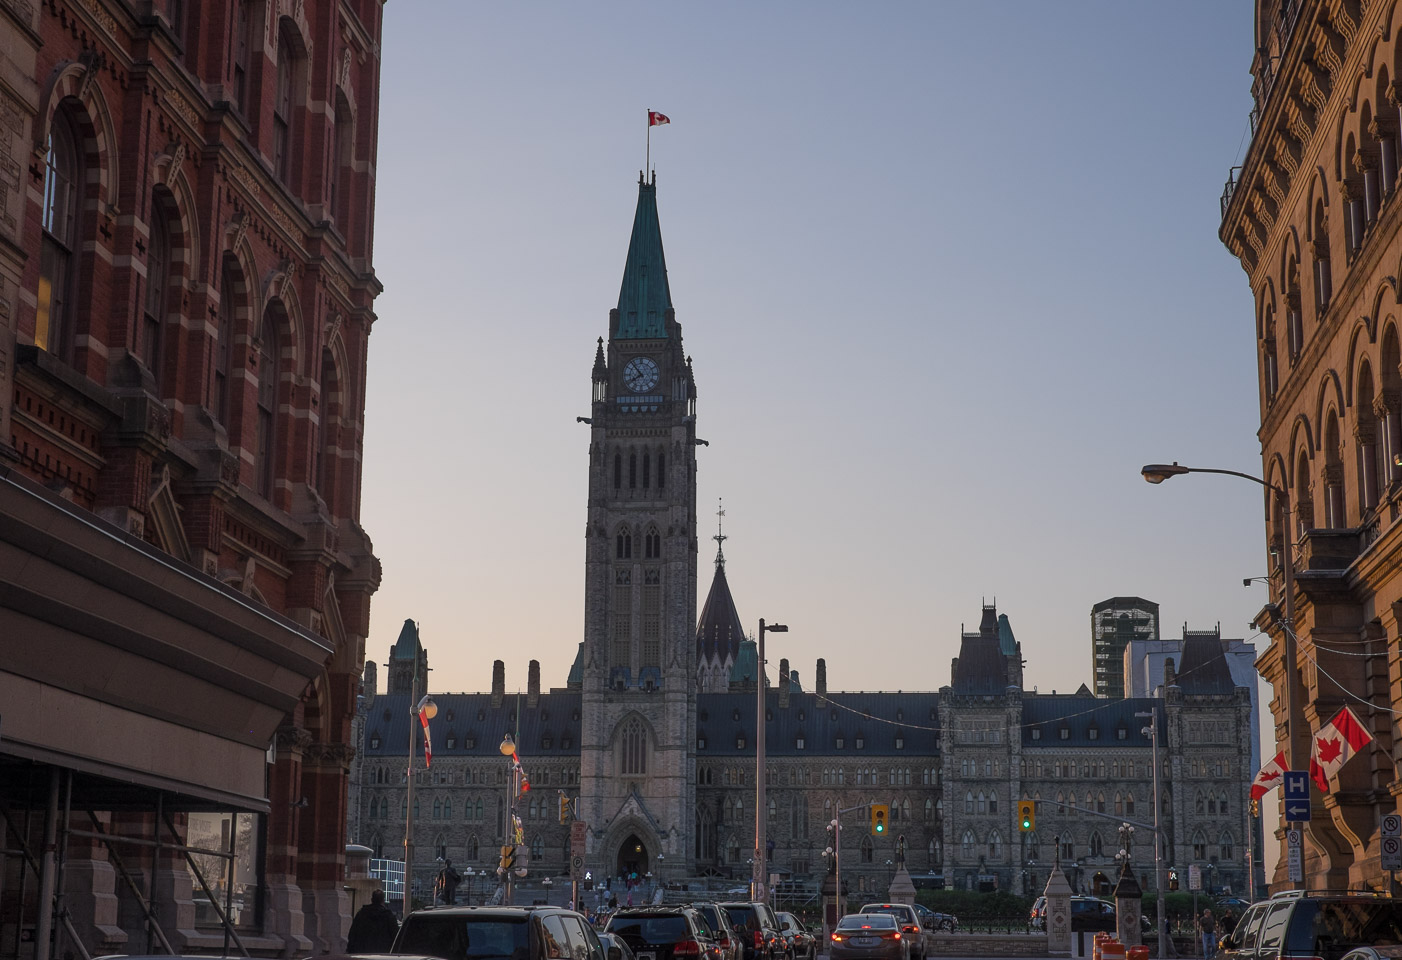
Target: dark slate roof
(471,715)
(576,677)
(645,297)
(876,718)
(980,668)
(1080,713)
(1204,669)
(1007,643)
(719,631)
(407,646)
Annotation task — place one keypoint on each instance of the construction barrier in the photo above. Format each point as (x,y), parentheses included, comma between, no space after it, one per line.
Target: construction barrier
(1112,950)
(1137,953)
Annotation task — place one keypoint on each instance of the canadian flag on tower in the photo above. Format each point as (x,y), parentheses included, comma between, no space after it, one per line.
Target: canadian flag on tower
(1335,742)
(654,118)
(1269,777)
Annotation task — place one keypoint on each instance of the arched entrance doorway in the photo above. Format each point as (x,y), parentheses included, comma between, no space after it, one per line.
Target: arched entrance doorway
(632,860)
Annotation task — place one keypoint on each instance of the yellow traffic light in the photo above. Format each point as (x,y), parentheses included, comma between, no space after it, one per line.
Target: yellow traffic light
(1026,816)
(879,813)
(508,858)
(564,809)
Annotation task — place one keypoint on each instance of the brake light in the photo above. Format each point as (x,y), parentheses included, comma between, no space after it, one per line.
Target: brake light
(725,941)
(687,948)
(890,936)
(759,940)
(908,928)
(837,937)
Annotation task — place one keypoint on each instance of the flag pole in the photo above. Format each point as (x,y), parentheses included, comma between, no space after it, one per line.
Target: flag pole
(648,162)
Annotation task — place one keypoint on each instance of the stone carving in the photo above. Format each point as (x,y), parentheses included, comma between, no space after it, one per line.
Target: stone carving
(236,231)
(106,20)
(92,63)
(184,109)
(344,77)
(248,180)
(11,126)
(291,738)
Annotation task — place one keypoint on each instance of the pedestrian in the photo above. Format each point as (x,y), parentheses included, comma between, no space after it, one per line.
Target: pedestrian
(1208,927)
(374,928)
(1227,922)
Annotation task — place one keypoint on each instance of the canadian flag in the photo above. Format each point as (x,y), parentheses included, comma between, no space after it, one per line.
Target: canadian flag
(428,742)
(654,118)
(1269,777)
(1335,742)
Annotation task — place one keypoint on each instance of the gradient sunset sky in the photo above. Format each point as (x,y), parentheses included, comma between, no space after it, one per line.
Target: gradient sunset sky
(949,275)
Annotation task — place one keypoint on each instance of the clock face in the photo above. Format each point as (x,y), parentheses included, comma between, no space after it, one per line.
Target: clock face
(640,374)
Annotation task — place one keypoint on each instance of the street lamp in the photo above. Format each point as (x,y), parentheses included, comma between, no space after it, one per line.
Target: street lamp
(508,749)
(761,877)
(426,709)
(547,883)
(470,874)
(1158,473)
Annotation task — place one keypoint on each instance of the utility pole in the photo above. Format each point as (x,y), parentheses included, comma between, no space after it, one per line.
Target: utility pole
(1159,880)
(760,883)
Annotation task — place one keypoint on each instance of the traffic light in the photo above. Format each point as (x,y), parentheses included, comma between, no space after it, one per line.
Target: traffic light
(564,809)
(508,859)
(1173,879)
(1026,816)
(879,812)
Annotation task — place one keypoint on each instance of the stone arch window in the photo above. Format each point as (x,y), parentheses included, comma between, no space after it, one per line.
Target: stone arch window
(1303,495)
(1100,802)
(968,844)
(773,809)
(64,176)
(652,544)
(221,361)
(473,847)
(1226,845)
(324,467)
(158,272)
(633,748)
(905,809)
(647,469)
(243,44)
(995,845)
(632,469)
(269,372)
(448,809)
(1097,846)
(1335,502)
(969,802)
(1222,803)
(623,544)
(1129,804)
(993,802)
(1294,317)
(1034,846)
(661,470)
(343,133)
(477,809)
(1323,280)
(929,809)
(867,850)
(617,470)
(537,848)
(1199,845)
(1366,442)
(932,851)
(1119,803)
(1060,802)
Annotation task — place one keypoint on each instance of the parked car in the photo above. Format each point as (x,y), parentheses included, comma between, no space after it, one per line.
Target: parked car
(498,933)
(612,941)
(802,944)
(1380,952)
(936,921)
(868,936)
(911,927)
(1323,925)
(664,933)
(758,929)
(719,921)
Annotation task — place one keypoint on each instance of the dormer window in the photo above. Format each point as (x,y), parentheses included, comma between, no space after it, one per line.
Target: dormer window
(1121,733)
(451,742)
(740,741)
(1065,733)
(1036,733)
(1093,733)
(839,743)
(900,743)
(375,742)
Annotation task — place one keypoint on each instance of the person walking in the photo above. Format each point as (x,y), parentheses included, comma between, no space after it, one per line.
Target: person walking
(374,928)
(1208,928)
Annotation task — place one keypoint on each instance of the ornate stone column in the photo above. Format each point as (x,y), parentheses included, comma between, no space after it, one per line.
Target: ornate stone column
(1058,915)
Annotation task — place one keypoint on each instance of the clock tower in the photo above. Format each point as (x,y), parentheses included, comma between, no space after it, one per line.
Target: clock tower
(638,709)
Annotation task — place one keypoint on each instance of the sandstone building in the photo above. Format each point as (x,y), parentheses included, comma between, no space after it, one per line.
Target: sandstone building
(186,295)
(654,728)
(1313,215)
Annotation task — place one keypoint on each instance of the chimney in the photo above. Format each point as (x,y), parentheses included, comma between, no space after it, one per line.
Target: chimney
(533,683)
(783,684)
(498,682)
(1170,673)
(820,678)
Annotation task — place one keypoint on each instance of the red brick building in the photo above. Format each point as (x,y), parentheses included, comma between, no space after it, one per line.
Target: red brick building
(186,295)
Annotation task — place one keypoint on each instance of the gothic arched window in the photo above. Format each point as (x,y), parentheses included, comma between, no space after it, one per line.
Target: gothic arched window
(623,545)
(63,180)
(265,427)
(661,470)
(633,743)
(158,261)
(1097,846)
(867,850)
(632,469)
(283,134)
(995,845)
(967,845)
(617,471)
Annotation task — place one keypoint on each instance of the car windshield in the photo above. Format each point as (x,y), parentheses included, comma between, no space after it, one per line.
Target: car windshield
(739,917)
(652,931)
(465,938)
(900,913)
(875,921)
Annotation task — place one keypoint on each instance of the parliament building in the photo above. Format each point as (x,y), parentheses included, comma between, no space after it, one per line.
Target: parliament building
(652,733)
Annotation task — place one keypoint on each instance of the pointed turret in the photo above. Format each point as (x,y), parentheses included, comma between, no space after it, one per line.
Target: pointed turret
(645,299)
(601,367)
(719,634)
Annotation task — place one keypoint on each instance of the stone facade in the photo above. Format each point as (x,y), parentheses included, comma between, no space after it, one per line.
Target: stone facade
(1314,218)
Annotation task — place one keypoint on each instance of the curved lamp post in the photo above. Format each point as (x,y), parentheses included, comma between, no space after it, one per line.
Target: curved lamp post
(1158,473)
(508,750)
(429,709)
(760,883)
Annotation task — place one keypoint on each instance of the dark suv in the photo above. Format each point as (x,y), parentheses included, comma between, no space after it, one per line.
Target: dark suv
(758,930)
(499,933)
(664,933)
(1323,925)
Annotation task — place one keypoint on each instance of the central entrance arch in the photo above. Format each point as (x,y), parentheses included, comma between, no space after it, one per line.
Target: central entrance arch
(632,859)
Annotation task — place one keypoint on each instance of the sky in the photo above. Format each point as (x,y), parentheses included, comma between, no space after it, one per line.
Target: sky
(949,275)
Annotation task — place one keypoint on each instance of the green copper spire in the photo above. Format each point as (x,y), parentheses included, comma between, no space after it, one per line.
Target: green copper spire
(645,298)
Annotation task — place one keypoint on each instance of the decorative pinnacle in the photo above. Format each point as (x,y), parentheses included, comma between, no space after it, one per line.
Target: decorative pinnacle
(720,537)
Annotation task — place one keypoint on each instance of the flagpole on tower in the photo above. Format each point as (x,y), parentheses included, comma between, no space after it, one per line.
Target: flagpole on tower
(648,162)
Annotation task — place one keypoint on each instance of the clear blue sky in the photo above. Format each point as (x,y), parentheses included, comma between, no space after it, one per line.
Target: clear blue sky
(949,274)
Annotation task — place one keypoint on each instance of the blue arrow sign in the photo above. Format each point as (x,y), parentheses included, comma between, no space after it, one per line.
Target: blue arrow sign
(1296,785)
(1296,811)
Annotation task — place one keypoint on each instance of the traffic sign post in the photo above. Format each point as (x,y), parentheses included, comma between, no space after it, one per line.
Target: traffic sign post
(1295,847)
(1390,849)
(1295,786)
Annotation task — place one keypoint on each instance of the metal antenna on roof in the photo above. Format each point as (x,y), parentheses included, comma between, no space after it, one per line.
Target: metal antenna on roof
(719,538)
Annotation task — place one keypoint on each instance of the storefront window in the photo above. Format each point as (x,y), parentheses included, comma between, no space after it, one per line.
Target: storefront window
(210,832)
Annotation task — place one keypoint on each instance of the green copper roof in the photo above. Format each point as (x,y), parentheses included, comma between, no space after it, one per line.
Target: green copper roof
(746,668)
(577,668)
(1007,643)
(645,298)
(407,646)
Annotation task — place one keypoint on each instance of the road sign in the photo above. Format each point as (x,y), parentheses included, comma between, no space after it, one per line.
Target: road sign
(1294,843)
(1390,853)
(576,866)
(579,833)
(1296,788)
(1195,877)
(1392,825)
